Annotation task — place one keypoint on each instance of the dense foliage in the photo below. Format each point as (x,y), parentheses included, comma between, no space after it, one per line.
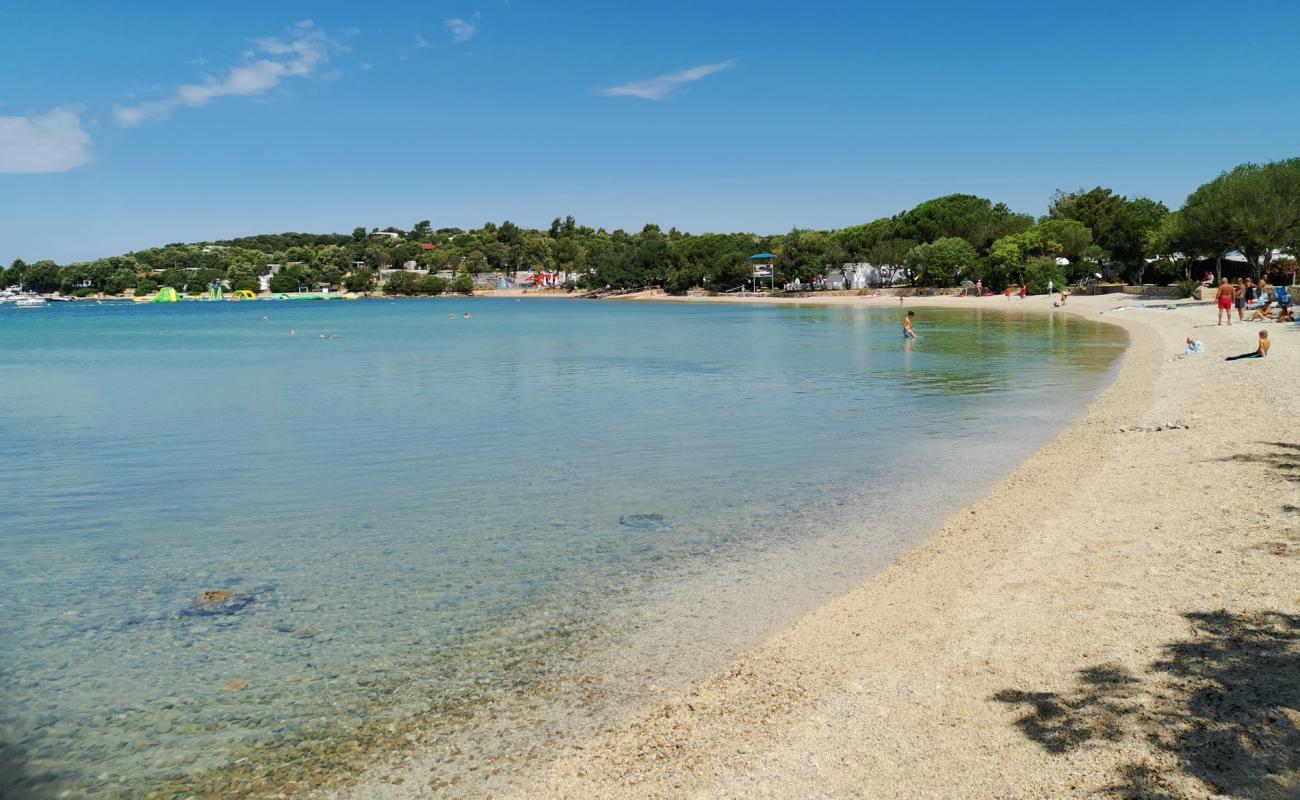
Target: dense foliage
(1253,210)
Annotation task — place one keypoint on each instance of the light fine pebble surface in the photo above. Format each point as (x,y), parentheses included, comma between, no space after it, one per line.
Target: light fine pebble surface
(1120,617)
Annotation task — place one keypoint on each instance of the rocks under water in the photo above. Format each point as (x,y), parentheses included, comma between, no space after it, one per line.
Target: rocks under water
(644,522)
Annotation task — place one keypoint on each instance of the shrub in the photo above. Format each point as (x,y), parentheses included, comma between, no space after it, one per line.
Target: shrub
(400,283)
(432,284)
(146,286)
(1039,271)
(463,284)
(361,280)
(1188,288)
(85,291)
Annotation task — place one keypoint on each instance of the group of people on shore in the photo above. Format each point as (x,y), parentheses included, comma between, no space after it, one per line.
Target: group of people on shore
(1247,292)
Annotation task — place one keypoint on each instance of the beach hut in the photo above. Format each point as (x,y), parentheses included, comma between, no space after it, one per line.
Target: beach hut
(165,295)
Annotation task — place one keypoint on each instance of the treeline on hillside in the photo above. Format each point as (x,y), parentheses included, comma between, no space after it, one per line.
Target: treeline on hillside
(1253,210)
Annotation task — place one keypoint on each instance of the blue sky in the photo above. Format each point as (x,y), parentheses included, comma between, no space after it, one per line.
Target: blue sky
(124,126)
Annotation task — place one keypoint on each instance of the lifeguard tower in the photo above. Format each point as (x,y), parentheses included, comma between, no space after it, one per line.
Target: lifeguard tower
(763,266)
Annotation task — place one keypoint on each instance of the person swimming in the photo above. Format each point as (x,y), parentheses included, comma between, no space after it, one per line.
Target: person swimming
(908,333)
(292,332)
(466,315)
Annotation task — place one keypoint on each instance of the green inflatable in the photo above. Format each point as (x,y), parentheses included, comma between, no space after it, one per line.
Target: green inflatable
(165,295)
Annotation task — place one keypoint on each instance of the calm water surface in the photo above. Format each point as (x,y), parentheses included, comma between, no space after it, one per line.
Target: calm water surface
(426,515)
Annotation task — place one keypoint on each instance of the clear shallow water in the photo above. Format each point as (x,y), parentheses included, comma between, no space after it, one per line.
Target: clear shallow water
(426,511)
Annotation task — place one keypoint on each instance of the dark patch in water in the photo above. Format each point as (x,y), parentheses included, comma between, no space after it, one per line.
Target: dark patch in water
(219,606)
(644,522)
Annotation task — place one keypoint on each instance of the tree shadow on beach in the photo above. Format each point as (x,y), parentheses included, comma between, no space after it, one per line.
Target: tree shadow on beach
(1283,458)
(1224,703)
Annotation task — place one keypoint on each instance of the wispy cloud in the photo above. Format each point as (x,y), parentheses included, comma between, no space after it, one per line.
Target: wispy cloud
(662,86)
(270,62)
(420,41)
(462,30)
(49,142)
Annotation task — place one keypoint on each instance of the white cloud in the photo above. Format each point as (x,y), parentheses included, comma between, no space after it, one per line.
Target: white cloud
(462,30)
(422,42)
(300,56)
(660,87)
(50,142)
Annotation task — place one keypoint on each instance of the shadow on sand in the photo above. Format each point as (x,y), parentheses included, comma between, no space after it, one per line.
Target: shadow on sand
(1225,704)
(1283,458)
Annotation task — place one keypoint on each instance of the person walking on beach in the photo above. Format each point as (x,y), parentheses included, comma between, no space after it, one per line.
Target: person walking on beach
(1239,299)
(1224,300)
(1259,352)
(1024,290)
(908,333)
(1049,287)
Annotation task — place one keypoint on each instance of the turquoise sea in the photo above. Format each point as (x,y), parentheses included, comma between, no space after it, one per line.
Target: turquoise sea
(473,535)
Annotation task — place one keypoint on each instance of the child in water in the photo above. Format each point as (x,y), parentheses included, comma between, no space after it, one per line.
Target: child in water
(908,333)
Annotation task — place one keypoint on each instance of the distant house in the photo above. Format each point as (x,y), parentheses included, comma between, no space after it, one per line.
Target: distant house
(861,275)
(427,246)
(211,248)
(385,235)
(264,281)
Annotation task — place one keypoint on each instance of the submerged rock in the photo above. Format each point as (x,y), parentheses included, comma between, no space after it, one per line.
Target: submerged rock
(219,603)
(644,522)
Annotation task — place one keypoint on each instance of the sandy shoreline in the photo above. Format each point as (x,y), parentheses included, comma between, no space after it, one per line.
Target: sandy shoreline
(1120,616)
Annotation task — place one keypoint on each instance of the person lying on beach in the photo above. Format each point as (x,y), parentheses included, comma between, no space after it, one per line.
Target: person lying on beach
(1259,352)
(908,333)
(1262,314)
(1286,315)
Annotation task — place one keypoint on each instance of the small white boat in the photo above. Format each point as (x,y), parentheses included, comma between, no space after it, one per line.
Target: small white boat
(29,302)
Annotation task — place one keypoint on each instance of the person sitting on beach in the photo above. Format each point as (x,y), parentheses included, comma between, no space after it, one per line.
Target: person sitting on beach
(1286,315)
(1262,314)
(1224,300)
(908,333)
(1194,347)
(1258,352)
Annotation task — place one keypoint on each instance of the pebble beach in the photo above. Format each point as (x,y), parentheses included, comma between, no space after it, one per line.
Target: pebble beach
(1117,617)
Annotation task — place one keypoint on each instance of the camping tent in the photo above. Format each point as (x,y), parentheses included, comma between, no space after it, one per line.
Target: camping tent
(165,295)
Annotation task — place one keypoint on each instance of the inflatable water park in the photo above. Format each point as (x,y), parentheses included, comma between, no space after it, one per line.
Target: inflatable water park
(216,294)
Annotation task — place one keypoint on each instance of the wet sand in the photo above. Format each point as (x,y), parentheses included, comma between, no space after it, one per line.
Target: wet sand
(1118,617)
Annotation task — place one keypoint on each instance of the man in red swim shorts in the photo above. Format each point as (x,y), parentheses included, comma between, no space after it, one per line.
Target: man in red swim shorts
(1225,300)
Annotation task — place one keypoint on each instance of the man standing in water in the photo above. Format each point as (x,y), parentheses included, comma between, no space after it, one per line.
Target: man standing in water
(908,333)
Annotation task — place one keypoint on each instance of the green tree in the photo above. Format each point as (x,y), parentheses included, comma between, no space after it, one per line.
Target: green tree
(1129,238)
(360,280)
(1096,208)
(1253,209)
(243,277)
(975,219)
(120,281)
(942,262)
(463,284)
(43,276)
(890,257)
